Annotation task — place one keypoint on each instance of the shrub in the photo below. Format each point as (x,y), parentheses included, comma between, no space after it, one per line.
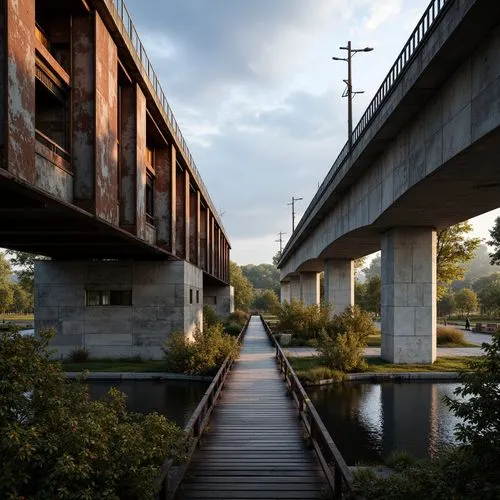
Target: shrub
(342,345)
(232,329)
(58,443)
(238,317)
(319,373)
(79,355)
(449,335)
(210,316)
(400,460)
(201,356)
(303,322)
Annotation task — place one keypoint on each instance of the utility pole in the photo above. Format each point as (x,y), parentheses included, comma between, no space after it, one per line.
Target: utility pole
(348,92)
(293,211)
(280,234)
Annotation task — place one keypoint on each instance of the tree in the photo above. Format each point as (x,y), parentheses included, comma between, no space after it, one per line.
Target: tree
(6,285)
(495,242)
(22,300)
(262,276)
(488,291)
(466,301)
(26,262)
(243,291)
(58,443)
(375,267)
(267,301)
(454,250)
(446,305)
(276,258)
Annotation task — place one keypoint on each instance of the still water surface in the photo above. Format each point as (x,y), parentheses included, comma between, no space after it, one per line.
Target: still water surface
(177,399)
(368,421)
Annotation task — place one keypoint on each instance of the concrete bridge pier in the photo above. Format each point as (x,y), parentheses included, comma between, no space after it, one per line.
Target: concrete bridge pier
(285,292)
(309,288)
(408,302)
(295,288)
(339,284)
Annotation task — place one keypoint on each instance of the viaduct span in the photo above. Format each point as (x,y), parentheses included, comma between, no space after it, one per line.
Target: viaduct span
(95,173)
(424,156)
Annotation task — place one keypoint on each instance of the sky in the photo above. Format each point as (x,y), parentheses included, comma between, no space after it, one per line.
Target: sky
(258,97)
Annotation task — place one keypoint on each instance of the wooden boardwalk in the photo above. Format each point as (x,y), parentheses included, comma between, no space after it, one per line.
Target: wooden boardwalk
(254,447)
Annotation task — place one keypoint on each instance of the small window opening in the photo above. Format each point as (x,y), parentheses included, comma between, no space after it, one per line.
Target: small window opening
(197,296)
(150,198)
(190,295)
(109,298)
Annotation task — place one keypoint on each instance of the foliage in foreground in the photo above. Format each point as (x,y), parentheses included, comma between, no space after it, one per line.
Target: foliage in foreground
(468,471)
(203,355)
(58,443)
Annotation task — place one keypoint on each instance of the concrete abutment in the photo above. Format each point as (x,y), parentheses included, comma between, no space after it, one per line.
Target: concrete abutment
(339,284)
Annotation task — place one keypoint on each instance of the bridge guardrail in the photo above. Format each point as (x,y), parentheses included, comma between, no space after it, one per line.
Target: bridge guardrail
(171,475)
(423,29)
(337,472)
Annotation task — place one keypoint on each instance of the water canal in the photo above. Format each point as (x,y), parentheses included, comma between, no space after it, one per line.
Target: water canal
(176,399)
(366,420)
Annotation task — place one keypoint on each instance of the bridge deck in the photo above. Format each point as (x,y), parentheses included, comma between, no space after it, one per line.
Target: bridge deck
(254,447)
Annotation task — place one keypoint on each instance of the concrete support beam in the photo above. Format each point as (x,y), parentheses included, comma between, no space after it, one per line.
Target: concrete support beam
(295,287)
(339,284)
(285,292)
(163,197)
(309,288)
(165,297)
(409,295)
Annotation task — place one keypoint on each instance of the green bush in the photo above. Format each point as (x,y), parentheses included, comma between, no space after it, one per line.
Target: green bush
(79,355)
(400,460)
(319,373)
(203,355)
(210,316)
(238,317)
(9,328)
(232,329)
(342,345)
(303,322)
(449,335)
(58,443)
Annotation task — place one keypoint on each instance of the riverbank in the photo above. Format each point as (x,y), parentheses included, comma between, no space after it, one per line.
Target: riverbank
(109,375)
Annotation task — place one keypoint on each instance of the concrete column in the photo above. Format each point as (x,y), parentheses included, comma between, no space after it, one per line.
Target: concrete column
(285,292)
(309,288)
(409,295)
(294,287)
(339,284)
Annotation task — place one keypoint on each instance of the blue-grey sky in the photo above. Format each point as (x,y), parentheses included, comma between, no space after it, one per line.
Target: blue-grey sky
(258,98)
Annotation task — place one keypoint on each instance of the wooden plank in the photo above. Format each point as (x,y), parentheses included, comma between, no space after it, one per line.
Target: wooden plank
(255,447)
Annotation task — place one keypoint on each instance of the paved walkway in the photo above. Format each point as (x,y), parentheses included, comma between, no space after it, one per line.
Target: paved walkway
(255,446)
(476,338)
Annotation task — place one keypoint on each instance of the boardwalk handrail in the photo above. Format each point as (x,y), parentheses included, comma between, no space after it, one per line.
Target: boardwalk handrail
(170,475)
(340,478)
(424,28)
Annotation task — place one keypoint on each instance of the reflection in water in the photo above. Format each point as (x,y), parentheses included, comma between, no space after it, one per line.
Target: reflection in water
(177,399)
(368,421)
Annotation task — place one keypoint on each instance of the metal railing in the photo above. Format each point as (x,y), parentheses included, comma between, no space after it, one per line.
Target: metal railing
(53,146)
(337,472)
(171,475)
(424,27)
(129,29)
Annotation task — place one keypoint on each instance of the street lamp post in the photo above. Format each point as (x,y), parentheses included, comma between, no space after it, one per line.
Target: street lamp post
(348,92)
(293,211)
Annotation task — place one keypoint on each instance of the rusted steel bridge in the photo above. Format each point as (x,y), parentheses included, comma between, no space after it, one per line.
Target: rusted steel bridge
(248,440)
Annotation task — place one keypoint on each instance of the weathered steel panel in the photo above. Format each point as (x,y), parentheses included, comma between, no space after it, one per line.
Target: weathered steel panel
(53,179)
(180,232)
(83,102)
(3,69)
(106,165)
(141,164)
(163,204)
(128,158)
(21,88)
(194,226)
(173,199)
(203,238)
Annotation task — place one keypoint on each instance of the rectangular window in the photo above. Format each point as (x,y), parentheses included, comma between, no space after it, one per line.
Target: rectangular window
(150,198)
(191,296)
(197,296)
(108,298)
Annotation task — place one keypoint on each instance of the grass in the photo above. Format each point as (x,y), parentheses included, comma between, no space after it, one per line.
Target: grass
(17,317)
(309,367)
(115,365)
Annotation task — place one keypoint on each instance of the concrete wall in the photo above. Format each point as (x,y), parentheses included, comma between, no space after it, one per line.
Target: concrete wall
(221,298)
(161,293)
